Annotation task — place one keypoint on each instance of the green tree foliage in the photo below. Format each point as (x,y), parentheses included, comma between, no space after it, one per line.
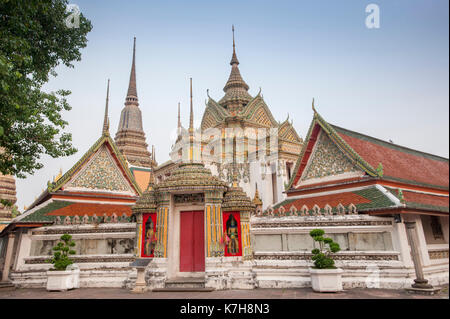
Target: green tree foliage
(61,253)
(35,39)
(322,255)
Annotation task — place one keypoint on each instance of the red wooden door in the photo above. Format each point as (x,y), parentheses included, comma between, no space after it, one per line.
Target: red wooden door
(192,245)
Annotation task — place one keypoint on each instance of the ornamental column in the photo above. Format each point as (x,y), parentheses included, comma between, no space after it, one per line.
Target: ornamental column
(138,241)
(8,257)
(247,251)
(420,283)
(162,225)
(213,223)
(144,208)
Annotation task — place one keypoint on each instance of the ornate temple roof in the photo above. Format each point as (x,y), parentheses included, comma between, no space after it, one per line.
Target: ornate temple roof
(192,175)
(398,163)
(148,202)
(130,137)
(287,132)
(50,210)
(336,158)
(366,199)
(238,107)
(415,200)
(235,89)
(235,199)
(102,172)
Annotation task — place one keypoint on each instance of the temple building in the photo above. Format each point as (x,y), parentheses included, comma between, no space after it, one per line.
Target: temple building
(130,136)
(266,150)
(98,190)
(193,230)
(234,211)
(386,205)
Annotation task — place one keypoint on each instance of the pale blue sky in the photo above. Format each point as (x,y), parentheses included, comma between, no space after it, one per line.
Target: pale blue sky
(390,83)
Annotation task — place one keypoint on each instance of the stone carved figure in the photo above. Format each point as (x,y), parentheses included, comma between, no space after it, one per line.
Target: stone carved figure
(149,236)
(233,235)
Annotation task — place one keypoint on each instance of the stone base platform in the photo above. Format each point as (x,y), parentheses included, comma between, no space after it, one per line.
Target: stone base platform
(423,291)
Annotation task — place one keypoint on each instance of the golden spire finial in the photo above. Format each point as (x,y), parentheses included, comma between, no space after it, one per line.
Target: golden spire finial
(232,29)
(191,126)
(106,119)
(256,199)
(132,91)
(234,59)
(191,115)
(151,180)
(179,118)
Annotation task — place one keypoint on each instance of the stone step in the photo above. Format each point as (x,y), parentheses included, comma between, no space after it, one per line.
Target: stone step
(6,286)
(185,283)
(183,289)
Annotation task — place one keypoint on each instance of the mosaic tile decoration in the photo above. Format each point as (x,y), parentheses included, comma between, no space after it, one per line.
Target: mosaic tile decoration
(101,173)
(261,117)
(328,160)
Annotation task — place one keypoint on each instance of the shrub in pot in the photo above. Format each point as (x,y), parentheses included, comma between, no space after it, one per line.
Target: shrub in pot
(64,275)
(325,277)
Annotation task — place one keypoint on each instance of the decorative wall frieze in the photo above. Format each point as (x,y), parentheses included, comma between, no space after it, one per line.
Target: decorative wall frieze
(320,223)
(338,256)
(83,259)
(438,254)
(130,227)
(94,219)
(189,198)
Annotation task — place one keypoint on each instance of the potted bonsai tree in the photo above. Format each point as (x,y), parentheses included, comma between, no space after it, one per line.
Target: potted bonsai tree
(64,275)
(325,277)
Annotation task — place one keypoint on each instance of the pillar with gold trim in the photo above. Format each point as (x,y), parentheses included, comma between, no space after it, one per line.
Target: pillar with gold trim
(162,225)
(213,224)
(144,211)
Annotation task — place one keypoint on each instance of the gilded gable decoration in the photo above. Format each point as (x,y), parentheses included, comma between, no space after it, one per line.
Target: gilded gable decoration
(327,160)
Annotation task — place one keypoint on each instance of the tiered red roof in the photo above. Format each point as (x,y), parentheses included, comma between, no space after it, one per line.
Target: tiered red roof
(401,168)
(89,209)
(426,199)
(398,162)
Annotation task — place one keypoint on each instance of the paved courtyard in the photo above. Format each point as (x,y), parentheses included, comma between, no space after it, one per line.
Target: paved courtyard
(303,293)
